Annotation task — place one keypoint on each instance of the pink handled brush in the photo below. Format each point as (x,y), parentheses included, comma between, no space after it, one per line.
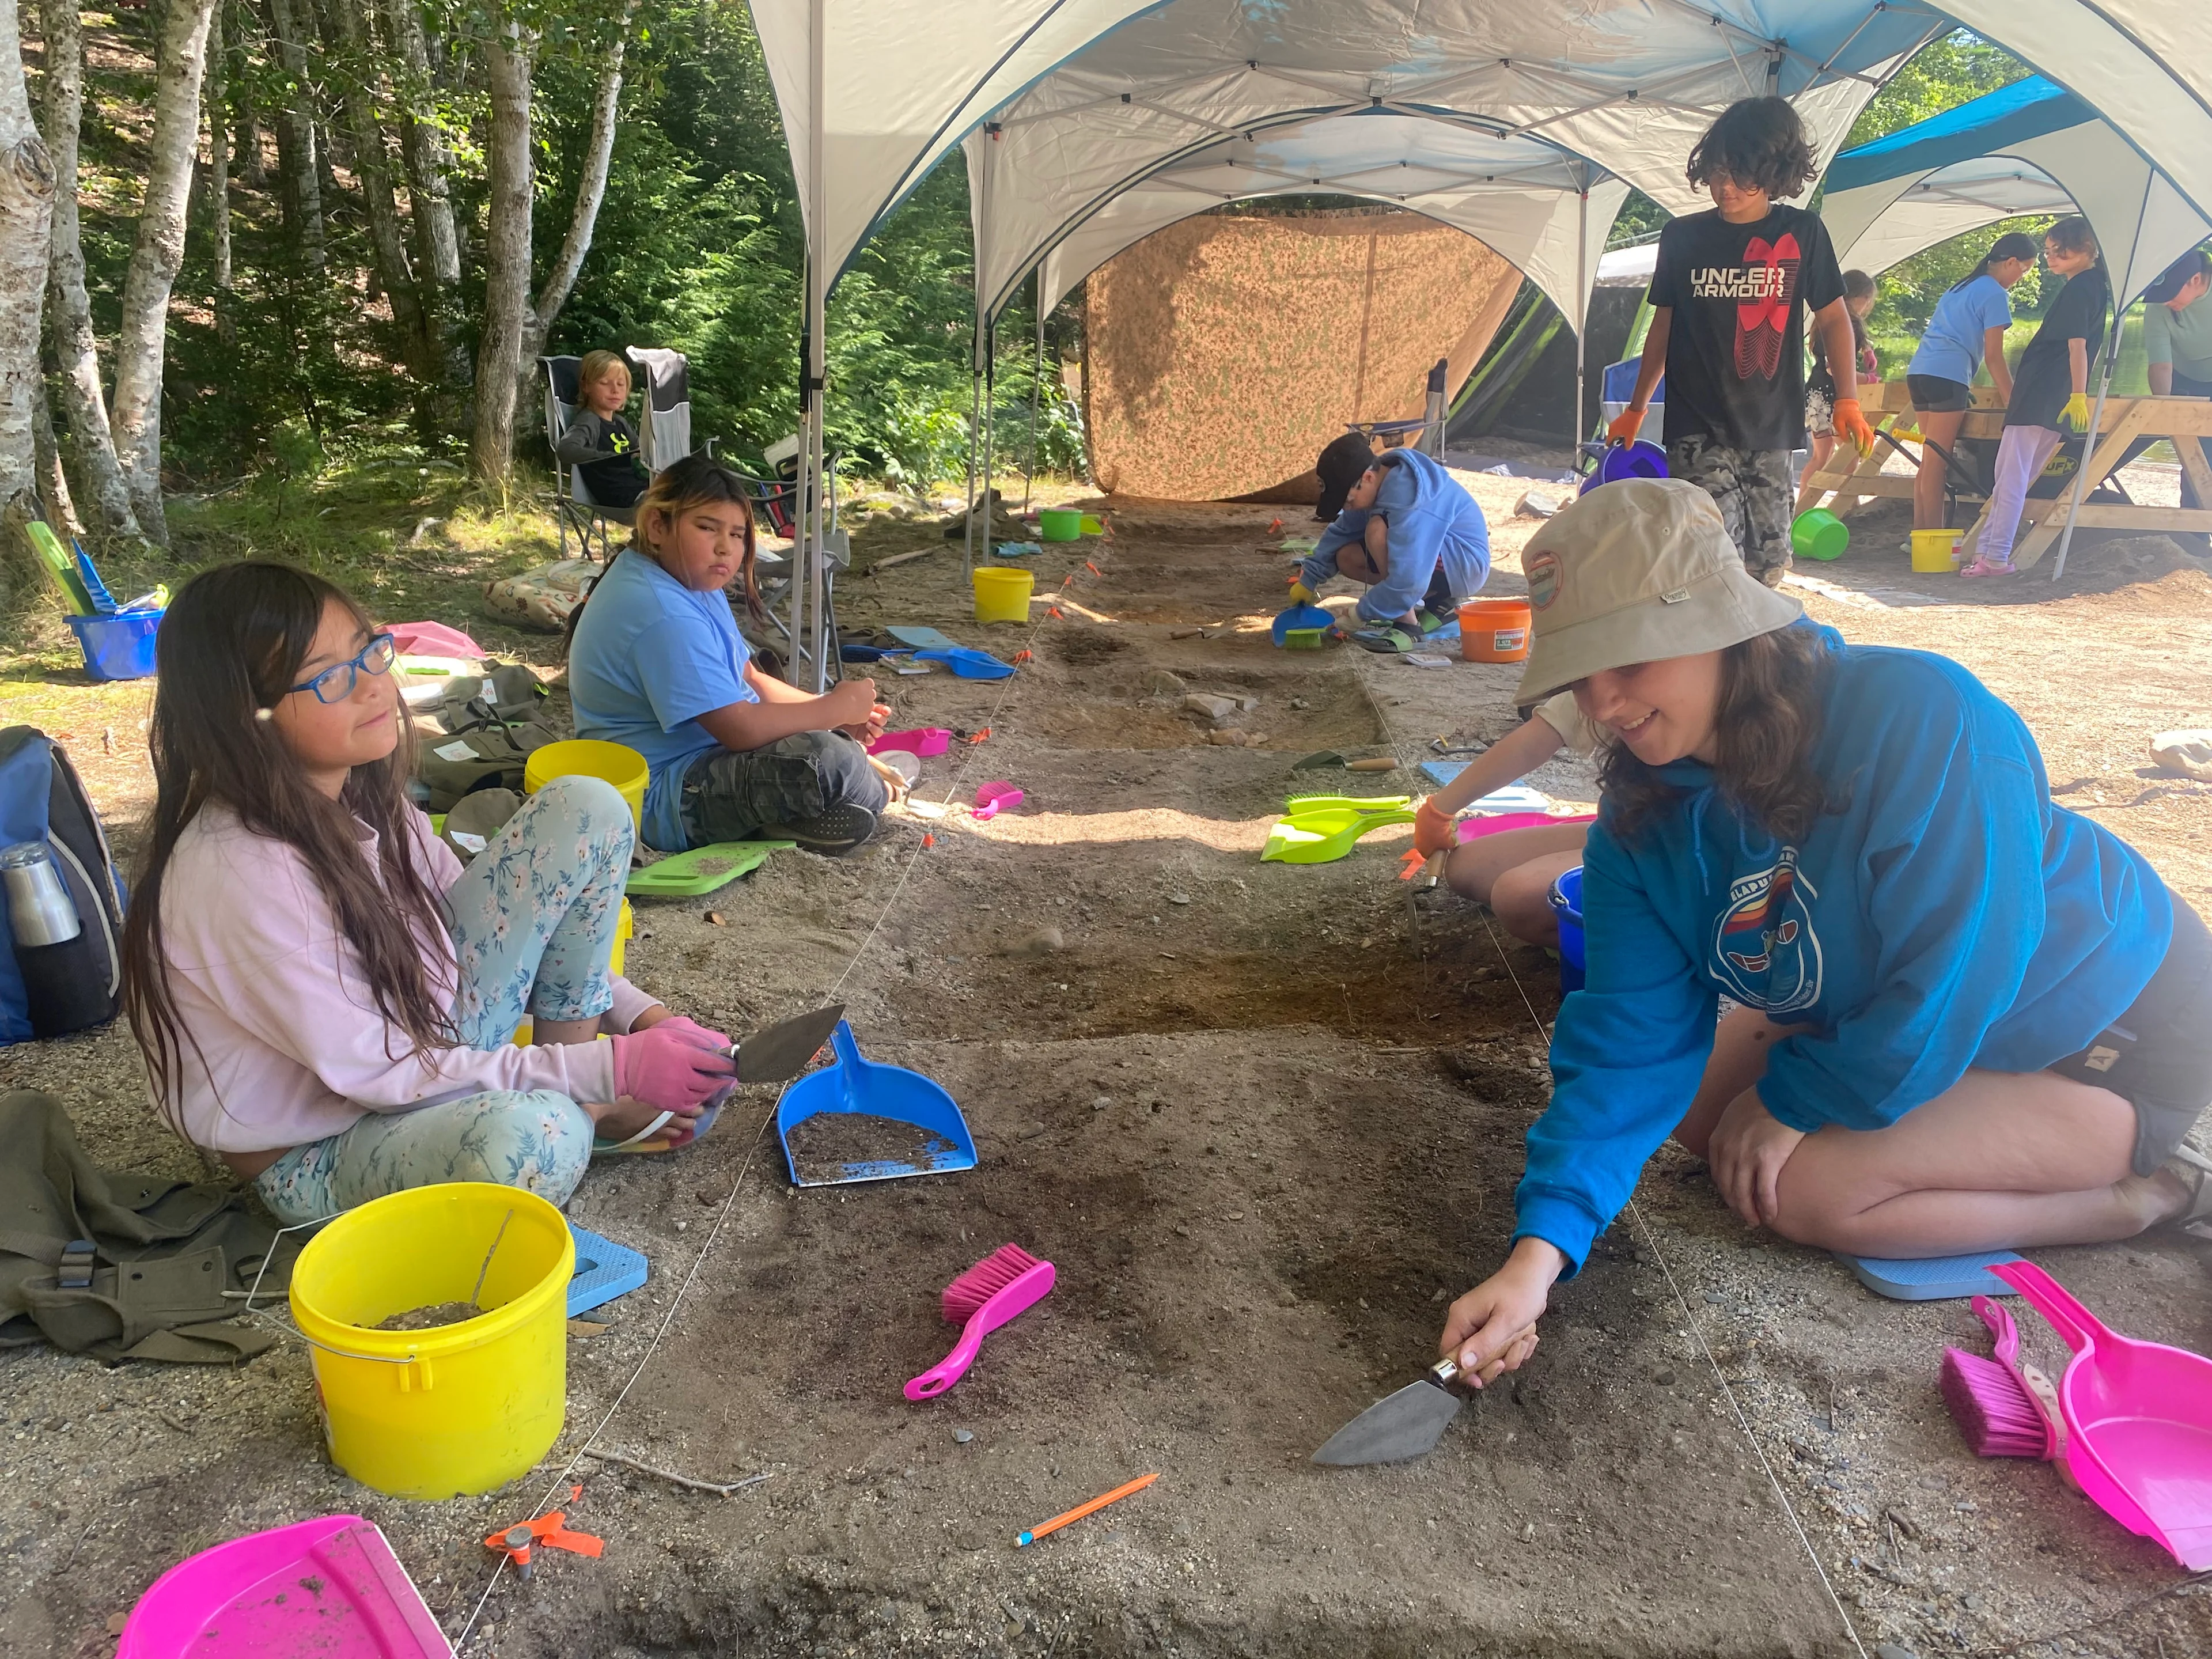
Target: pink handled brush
(1006,1282)
(2003,1407)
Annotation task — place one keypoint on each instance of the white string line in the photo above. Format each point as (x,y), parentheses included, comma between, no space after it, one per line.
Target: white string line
(1652,1243)
(729,1203)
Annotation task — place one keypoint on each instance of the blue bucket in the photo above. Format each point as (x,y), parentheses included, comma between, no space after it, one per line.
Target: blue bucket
(120,646)
(1566,896)
(1619,461)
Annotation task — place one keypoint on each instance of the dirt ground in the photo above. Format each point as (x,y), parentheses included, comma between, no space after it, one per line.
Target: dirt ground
(1267,1120)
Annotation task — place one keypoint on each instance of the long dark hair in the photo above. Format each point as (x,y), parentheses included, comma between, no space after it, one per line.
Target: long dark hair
(1760,143)
(2013,245)
(1773,690)
(231,645)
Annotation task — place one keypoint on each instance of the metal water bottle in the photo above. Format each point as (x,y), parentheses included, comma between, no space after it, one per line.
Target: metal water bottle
(65,987)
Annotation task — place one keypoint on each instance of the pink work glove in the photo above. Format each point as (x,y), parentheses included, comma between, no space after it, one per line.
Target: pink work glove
(673,1067)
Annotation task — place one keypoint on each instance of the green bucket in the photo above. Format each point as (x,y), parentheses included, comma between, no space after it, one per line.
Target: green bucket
(1820,534)
(1059,523)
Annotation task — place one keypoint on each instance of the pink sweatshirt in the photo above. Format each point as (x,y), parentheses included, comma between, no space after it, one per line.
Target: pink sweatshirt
(290,1046)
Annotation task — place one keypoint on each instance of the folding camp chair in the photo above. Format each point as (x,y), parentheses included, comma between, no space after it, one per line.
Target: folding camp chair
(663,427)
(577,510)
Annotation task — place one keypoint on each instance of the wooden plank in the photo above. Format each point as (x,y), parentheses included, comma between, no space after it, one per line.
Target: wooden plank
(2192,451)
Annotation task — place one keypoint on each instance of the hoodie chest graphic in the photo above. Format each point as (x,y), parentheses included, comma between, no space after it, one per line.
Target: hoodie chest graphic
(1764,951)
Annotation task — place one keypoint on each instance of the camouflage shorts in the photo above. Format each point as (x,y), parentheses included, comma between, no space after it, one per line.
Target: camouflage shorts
(729,794)
(1751,489)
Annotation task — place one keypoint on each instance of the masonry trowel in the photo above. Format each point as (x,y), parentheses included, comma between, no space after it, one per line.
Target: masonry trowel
(778,1052)
(1405,1424)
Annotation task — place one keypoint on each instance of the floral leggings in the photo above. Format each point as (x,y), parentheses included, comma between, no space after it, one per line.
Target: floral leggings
(532,921)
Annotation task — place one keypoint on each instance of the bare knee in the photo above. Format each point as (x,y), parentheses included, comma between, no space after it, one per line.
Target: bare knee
(1522,897)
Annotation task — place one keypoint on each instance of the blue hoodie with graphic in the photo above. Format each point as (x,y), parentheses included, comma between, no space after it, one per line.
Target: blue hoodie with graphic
(1432,520)
(1942,914)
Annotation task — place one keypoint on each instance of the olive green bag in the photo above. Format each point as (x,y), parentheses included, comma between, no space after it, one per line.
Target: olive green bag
(121,1266)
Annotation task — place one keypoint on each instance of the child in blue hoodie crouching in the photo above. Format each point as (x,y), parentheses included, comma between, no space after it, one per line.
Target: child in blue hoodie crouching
(1411,535)
(1969,1019)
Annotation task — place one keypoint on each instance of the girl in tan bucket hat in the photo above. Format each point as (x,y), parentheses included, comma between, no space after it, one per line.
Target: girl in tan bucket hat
(1968,1017)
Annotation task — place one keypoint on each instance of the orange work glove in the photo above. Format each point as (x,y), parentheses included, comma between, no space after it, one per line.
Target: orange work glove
(1433,831)
(1850,421)
(1624,426)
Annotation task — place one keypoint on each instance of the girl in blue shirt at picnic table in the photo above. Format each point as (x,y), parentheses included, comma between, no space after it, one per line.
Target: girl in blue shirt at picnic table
(1966,1017)
(1967,329)
(656,662)
(1412,536)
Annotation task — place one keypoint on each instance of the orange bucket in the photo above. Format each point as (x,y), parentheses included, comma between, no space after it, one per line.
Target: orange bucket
(1494,630)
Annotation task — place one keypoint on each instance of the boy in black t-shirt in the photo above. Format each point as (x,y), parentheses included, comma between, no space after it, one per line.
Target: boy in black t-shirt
(1729,296)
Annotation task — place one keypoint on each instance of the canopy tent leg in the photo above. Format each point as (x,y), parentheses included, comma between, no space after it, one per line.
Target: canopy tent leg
(1037,377)
(975,434)
(990,428)
(808,569)
(1581,305)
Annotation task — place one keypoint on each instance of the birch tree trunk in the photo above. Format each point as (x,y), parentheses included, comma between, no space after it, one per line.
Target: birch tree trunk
(296,138)
(218,190)
(27,202)
(155,256)
(584,214)
(372,163)
(507,251)
(76,349)
(430,165)
(53,482)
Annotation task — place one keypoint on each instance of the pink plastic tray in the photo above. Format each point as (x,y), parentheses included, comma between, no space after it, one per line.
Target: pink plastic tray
(1497,823)
(330,1586)
(923,741)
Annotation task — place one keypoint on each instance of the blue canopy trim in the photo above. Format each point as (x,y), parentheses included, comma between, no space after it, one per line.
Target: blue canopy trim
(1988,125)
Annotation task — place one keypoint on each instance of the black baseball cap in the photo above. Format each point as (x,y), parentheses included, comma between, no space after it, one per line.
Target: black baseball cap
(1340,466)
(2176,277)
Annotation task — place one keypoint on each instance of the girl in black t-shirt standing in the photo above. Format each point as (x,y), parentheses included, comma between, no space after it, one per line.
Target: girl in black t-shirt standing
(2050,388)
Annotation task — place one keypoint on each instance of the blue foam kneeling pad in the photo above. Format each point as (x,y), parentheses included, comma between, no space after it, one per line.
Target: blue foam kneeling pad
(605,1270)
(1932,1279)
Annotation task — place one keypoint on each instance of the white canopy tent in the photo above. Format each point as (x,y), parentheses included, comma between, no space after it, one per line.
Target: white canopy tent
(873,92)
(2032,146)
(1521,196)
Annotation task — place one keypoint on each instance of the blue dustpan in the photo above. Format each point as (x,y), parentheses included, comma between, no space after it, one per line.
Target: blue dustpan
(854,1084)
(1300,616)
(968,664)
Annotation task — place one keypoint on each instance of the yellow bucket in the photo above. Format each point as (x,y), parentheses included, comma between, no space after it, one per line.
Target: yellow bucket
(1002,594)
(458,1408)
(588,758)
(1933,550)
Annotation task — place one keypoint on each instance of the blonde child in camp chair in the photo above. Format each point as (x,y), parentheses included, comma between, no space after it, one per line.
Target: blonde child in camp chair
(599,439)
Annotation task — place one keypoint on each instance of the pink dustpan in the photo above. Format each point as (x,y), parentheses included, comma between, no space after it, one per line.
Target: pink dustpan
(2138,1418)
(330,1587)
(1497,823)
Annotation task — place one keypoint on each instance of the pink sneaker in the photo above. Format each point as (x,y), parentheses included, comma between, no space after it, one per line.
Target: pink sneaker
(1986,566)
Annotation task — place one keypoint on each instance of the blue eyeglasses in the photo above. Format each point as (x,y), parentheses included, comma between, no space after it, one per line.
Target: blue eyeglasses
(336,683)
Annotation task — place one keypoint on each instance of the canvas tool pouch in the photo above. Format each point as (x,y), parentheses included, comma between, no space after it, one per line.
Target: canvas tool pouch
(489,756)
(121,1266)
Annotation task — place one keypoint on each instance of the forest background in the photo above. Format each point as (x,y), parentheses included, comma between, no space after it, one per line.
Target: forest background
(295,239)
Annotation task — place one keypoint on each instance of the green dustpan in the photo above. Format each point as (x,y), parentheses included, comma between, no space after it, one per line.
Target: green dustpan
(1295,805)
(702,869)
(1325,835)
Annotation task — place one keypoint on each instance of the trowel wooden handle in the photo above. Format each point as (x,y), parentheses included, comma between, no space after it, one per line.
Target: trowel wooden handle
(1373,764)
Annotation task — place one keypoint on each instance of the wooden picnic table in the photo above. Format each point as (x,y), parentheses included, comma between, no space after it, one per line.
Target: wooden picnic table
(1848,482)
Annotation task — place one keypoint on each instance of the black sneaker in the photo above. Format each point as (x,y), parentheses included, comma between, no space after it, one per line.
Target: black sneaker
(833,834)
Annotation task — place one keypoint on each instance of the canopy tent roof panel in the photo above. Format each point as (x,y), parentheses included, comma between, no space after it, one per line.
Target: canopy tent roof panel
(2032,146)
(1632,85)
(1518,195)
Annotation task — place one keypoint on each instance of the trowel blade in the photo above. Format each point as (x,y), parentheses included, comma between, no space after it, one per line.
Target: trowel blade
(780,1052)
(1406,1425)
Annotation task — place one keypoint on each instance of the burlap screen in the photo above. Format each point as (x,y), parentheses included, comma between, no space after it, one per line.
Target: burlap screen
(1225,352)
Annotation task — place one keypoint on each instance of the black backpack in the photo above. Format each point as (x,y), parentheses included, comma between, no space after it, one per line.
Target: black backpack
(42,798)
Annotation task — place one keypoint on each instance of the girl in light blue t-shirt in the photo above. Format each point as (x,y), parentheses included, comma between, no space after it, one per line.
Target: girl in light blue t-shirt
(1968,326)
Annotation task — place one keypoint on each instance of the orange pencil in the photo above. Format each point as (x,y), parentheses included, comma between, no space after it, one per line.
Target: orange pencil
(1082,1510)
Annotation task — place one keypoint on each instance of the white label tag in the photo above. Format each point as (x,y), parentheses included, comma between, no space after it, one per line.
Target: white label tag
(462,838)
(454,752)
